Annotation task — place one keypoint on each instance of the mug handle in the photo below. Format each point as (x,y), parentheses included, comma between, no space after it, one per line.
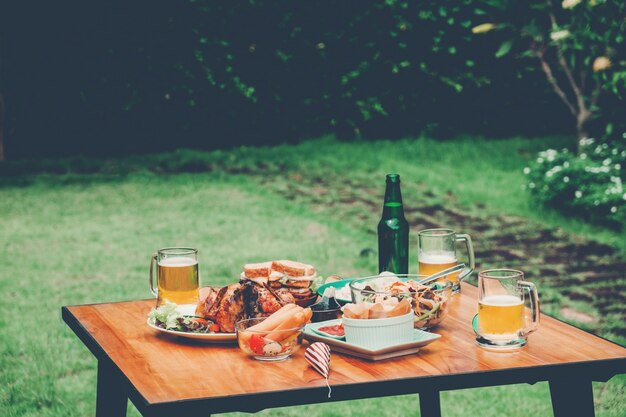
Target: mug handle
(152,288)
(534,306)
(470,255)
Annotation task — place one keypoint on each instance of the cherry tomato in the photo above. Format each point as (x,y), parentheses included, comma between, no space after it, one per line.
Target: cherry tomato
(256,344)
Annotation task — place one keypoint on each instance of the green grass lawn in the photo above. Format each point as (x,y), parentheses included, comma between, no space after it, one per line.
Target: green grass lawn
(84,238)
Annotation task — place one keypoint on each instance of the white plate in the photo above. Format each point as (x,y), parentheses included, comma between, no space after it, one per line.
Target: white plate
(420,339)
(201,337)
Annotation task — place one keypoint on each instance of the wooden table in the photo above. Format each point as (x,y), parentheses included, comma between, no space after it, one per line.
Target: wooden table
(165,376)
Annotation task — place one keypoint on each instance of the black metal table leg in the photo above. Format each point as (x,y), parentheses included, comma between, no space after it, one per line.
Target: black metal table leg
(111,398)
(572,397)
(429,404)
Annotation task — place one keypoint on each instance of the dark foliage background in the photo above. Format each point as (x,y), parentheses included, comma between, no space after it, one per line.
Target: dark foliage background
(128,77)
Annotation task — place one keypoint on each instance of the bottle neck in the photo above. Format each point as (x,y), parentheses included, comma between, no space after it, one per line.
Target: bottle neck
(392,206)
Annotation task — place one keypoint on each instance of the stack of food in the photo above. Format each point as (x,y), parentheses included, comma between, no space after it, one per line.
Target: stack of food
(284,276)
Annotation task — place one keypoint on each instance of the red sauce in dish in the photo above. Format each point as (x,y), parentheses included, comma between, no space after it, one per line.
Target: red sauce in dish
(336,330)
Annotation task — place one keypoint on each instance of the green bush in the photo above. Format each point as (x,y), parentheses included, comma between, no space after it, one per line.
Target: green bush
(207,74)
(587,185)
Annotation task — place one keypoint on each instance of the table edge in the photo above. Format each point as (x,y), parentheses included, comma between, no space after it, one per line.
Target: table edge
(403,386)
(602,369)
(100,354)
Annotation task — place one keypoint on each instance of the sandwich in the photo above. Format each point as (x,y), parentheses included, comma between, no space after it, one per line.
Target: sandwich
(293,268)
(295,276)
(283,276)
(258,272)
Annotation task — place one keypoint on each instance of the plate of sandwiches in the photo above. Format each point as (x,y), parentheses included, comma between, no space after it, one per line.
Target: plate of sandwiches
(284,276)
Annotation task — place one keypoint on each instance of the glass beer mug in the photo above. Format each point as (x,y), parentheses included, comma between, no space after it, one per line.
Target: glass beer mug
(176,276)
(437,251)
(501,319)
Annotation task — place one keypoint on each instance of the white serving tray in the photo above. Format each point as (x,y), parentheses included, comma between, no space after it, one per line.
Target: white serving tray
(420,339)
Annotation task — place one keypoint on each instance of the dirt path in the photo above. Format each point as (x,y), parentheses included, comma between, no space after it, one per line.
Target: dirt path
(581,281)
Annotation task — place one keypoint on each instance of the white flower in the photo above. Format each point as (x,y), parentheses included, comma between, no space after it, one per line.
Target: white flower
(579,194)
(539,160)
(624,196)
(614,151)
(548,154)
(555,169)
(606,162)
(596,203)
(532,185)
(570,4)
(617,167)
(566,179)
(559,34)
(586,141)
(583,156)
(613,209)
(526,170)
(565,164)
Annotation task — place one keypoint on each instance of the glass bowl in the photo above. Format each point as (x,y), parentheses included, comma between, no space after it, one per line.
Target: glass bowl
(430,302)
(273,345)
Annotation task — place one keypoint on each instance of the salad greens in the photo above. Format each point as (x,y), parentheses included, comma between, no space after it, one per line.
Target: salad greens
(168,317)
(317,282)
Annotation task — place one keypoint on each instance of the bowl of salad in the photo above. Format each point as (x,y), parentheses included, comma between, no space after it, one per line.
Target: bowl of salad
(430,302)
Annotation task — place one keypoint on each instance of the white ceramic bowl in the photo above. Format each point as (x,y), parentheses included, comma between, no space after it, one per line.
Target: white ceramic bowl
(376,333)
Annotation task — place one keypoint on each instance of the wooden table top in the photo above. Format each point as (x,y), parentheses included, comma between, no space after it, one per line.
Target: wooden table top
(162,370)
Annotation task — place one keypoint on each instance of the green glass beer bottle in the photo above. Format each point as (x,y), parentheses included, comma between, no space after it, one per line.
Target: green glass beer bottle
(393,231)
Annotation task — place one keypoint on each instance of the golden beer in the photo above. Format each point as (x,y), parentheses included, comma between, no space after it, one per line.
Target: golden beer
(177,280)
(432,263)
(500,316)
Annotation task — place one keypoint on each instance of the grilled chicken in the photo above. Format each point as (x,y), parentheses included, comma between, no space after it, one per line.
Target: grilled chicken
(245,299)
(283,294)
(208,296)
(267,302)
(231,308)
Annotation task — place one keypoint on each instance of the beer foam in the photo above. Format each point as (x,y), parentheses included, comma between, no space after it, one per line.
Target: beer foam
(437,257)
(178,261)
(501,300)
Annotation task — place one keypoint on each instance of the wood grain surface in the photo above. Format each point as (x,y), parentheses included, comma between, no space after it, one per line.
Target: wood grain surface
(166,369)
